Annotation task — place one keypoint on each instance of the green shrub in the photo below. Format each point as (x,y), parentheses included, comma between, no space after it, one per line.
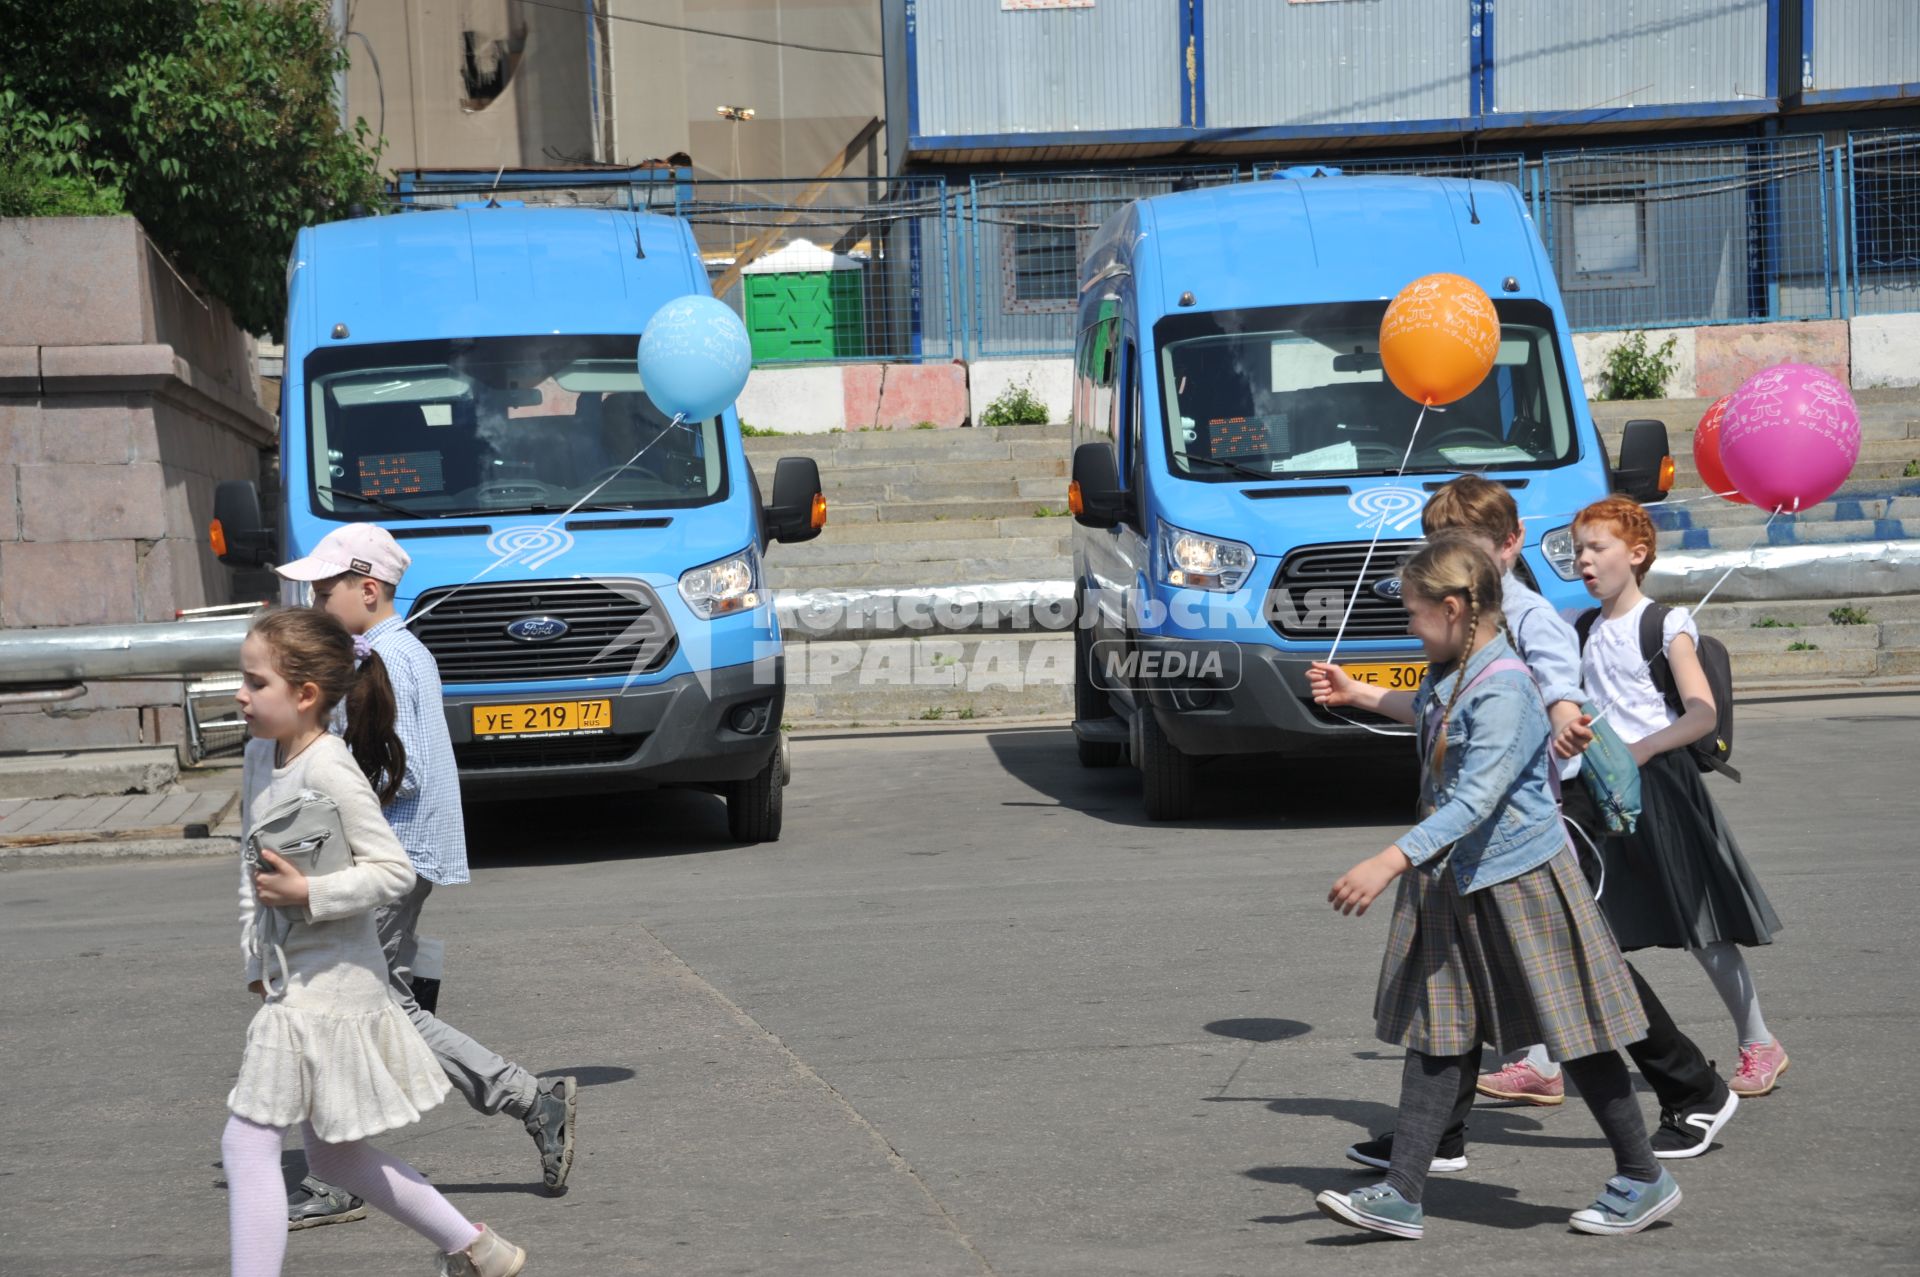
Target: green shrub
(1769,623)
(1801,645)
(1847,614)
(212,121)
(1015,406)
(1634,372)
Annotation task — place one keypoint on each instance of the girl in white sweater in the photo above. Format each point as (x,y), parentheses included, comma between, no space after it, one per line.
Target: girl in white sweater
(329,1050)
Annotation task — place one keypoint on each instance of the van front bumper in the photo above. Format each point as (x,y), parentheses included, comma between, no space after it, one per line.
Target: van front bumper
(1258,703)
(700,729)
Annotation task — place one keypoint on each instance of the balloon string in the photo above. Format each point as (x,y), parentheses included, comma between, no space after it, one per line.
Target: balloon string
(508,555)
(1647,664)
(1353,595)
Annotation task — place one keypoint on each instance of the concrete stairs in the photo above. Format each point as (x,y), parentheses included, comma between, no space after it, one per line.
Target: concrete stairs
(945,508)
(1880,502)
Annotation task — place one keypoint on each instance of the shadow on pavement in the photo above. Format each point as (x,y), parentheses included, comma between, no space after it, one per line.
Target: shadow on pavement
(583,830)
(1259,1030)
(1486,1125)
(591,1074)
(1448,1198)
(1243,791)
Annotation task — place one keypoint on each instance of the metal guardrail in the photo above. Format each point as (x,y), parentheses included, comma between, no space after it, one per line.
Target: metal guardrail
(92,653)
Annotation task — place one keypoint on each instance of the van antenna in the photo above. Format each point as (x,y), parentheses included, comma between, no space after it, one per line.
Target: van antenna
(491,201)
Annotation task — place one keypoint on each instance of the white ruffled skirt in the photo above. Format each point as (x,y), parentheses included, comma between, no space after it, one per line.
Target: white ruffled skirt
(332,1047)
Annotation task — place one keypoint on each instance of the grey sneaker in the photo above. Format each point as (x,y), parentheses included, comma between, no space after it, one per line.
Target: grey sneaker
(314,1203)
(1378,1209)
(1627,1206)
(550,1122)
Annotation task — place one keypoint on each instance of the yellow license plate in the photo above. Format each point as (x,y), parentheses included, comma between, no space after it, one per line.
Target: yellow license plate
(544,718)
(1395,676)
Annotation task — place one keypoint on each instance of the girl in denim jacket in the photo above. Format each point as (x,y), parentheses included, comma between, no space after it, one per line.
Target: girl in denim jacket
(1497,938)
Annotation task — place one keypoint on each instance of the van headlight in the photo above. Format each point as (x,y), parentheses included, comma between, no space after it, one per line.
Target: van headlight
(1557,547)
(1191,561)
(726,585)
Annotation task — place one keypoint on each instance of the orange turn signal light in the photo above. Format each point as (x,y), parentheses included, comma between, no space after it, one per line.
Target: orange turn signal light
(217,538)
(1074,503)
(819,510)
(1666,473)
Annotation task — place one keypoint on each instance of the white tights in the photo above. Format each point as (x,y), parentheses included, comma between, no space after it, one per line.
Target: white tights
(257,1196)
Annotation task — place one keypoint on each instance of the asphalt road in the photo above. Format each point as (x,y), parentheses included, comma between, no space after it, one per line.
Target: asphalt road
(973,1015)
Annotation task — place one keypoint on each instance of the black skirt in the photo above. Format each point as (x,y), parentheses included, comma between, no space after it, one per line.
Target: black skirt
(1678,881)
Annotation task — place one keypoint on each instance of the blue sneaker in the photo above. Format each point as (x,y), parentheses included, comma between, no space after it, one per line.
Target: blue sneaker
(1627,1206)
(1378,1209)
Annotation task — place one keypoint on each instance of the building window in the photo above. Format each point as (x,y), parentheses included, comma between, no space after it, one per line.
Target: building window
(1610,247)
(1040,259)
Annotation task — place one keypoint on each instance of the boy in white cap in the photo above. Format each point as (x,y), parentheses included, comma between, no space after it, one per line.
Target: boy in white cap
(354,572)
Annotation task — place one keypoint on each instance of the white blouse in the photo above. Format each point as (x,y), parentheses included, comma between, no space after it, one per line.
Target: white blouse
(1616,677)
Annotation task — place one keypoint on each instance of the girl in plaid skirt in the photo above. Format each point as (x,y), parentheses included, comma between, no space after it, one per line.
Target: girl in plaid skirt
(1496,939)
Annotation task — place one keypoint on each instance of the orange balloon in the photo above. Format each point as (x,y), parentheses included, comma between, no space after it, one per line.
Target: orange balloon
(1438,338)
(1706,452)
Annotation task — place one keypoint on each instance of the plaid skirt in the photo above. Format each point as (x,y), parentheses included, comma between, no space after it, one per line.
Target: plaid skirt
(1523,961)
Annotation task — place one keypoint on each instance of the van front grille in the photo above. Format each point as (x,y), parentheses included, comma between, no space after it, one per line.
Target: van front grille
(1310,592)
(612,628)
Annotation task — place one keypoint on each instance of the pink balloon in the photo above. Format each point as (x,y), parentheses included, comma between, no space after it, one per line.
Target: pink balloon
(1790,437)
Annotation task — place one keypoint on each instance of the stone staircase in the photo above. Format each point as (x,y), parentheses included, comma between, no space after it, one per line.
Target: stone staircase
(1792,642)
(917,512)
(940,508)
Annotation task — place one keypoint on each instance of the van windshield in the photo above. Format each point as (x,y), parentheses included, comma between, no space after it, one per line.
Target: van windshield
(1299,390)
(497,425)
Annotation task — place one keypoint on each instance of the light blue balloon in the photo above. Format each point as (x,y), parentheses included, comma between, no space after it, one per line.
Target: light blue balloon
(694,358)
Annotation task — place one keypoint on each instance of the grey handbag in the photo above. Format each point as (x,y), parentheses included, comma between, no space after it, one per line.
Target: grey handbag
(305,831)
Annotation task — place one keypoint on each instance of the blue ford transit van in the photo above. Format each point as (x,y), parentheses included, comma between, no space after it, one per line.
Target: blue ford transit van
(465,377)
(1237,447)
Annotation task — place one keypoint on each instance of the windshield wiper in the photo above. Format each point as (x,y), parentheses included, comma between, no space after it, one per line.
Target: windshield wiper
(1263,476)
(542,508)
(378,502)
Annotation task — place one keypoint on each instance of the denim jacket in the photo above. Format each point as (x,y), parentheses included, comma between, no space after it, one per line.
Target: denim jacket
(1493,802)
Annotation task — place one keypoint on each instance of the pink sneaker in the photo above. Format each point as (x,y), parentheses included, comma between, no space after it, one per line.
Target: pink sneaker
(1521,1081)
(1760,1069)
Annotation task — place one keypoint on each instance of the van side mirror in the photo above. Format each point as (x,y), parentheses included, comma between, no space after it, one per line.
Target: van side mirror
(799,507)
(239,534)
(1645,472)
(1095,495)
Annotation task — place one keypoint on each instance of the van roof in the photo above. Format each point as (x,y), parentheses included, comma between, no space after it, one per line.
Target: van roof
(486,272)
(1324,239)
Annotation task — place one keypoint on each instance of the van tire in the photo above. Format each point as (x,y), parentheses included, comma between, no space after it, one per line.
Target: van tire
(1166,774)
(754,805)
(1090,703)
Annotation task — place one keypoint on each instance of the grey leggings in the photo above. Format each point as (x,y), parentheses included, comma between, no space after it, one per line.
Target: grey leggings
(1431,1086)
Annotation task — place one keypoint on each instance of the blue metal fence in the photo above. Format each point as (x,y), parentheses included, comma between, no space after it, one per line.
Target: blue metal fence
(922,269)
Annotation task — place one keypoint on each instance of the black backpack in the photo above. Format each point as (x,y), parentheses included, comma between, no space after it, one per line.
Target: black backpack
(1711,751)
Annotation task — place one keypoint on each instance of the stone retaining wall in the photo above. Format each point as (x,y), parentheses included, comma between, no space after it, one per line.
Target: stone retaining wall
(125,396)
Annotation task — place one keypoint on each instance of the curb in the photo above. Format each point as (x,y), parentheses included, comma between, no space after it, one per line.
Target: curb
(62,854)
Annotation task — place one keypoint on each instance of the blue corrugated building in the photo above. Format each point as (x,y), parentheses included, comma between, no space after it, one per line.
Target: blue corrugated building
(1067,82)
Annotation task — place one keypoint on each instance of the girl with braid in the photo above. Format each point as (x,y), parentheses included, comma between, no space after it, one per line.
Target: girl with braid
(1495,938)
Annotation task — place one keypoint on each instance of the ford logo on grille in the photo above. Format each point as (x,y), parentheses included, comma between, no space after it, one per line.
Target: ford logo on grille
(537,629)
(1388,589)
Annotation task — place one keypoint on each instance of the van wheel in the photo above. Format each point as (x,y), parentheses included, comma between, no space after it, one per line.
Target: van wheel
(1090,703)
(1166,774)
(754,804)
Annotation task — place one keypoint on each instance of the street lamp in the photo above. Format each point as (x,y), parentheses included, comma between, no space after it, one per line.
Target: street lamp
(737,115)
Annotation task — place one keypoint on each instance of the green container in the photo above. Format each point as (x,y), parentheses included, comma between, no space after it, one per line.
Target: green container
(817,314)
